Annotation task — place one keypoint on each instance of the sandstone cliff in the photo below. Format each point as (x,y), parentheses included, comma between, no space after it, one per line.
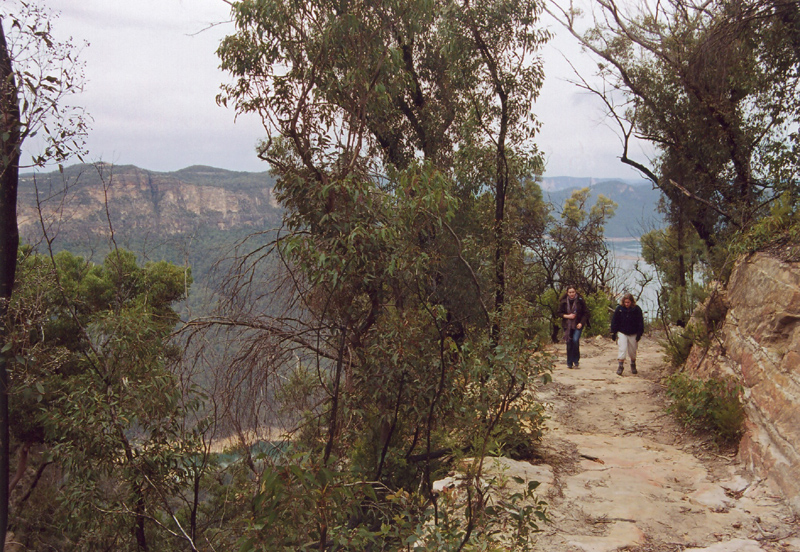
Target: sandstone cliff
(164,204)
(760,346)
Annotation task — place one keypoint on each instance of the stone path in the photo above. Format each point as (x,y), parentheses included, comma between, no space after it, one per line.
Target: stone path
(618,473)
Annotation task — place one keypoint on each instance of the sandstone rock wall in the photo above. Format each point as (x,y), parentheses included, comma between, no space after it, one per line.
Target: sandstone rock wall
(760,346)
(143,200)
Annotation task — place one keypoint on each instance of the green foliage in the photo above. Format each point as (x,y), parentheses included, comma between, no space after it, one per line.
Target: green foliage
(300,504)
(712,405)
(500,385)
(715,89)
(601,306)
(780,228)
(520,429)
(569,250)
(679,344)
(405,183)
(46,73)
(680,261)
(522,513)
(92,341)
(637,205)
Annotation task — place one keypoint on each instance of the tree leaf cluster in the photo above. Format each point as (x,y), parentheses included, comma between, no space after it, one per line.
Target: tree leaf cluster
(714,87)
(93,397)
(399,133)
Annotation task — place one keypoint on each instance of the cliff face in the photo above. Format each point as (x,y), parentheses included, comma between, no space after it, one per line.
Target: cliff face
(760,346)
(165,204)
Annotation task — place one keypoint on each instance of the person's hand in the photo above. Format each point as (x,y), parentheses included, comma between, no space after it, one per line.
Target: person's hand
(569,316)
(638,337)
(614,336)
(579,326)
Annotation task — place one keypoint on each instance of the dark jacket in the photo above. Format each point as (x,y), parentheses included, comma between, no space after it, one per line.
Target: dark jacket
(582,312)
(628,321)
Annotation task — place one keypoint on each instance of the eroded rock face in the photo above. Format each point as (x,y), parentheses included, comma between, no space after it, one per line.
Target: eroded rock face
(761,348)
(163,203)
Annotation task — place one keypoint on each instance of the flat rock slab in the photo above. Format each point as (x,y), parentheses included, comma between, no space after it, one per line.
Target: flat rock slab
(620,474)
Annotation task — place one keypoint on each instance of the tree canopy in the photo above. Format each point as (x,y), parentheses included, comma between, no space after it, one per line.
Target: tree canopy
(93,396)
(715,87)
(400,134)
(37,75)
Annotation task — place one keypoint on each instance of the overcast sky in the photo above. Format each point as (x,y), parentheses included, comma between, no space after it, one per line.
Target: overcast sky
(152,77)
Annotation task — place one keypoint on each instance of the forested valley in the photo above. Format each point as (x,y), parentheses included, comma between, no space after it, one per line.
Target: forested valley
(382,319)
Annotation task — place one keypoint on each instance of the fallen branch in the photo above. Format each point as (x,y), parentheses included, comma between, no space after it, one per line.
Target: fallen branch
(592,458)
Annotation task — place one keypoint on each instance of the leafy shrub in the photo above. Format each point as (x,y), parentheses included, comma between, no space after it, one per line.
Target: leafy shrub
(520,429)
(304,506)
(782,225)
(676,303)
(712,405)
(601,306)
(677,346)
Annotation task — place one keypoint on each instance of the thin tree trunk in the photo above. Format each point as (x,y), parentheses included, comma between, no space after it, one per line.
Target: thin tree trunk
(684,290)
(9,243)
(141,537)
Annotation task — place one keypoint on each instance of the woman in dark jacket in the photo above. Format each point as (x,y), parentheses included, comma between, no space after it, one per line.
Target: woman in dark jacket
(627,324)
(574,317)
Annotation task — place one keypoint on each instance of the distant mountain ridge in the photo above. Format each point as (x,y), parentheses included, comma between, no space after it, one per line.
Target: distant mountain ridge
(154,207)
(138,200)
(637,204)
(557,183)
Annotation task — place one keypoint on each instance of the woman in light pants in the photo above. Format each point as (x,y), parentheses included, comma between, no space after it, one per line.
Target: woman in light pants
(627,327)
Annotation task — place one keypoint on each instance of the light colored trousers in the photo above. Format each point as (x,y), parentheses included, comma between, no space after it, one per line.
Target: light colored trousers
(626,346)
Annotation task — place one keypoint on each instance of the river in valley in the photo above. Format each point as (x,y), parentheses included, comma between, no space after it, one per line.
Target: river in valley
(630,271)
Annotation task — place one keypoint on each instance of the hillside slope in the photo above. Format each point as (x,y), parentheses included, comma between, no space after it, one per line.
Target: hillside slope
(82,198)
(199,198)
(637,206)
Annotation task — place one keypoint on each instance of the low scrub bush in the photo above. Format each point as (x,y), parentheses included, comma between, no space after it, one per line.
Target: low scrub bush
(678,345)
(712,405)
(781,226)
(601,306)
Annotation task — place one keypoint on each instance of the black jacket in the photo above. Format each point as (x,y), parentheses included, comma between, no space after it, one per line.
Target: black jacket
(582,314)
(628,321)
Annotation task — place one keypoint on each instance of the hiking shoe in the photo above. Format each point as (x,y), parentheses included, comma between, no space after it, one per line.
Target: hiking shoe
(633,370)
(619,370)
(577,366)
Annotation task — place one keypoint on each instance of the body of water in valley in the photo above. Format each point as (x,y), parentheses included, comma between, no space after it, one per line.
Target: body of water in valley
(627,254)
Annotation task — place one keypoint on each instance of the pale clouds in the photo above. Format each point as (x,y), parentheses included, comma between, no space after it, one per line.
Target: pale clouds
(153,76)
(577,138)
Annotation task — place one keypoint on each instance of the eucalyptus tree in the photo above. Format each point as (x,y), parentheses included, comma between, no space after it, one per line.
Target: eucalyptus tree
(392,127)
(449,82)
(105,459)
(37,75)
(715,87)
(681,284)
(568,249)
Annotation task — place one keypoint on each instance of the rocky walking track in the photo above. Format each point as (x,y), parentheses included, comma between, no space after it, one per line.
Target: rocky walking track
(619,473)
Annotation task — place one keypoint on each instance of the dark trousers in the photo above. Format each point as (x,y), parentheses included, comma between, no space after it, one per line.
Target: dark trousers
(574,347)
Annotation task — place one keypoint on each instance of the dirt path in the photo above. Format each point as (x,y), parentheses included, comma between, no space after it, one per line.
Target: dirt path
(618,473)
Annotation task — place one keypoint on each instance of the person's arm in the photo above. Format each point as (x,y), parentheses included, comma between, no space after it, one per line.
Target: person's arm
(614,323)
